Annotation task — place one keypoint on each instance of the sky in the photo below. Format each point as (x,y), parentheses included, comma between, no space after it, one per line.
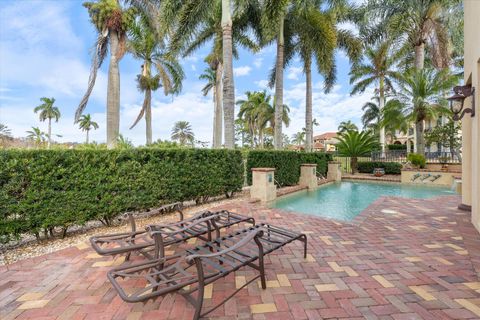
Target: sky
(45,51)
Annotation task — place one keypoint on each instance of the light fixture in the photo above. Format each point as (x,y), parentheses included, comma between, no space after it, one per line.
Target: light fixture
(457,100)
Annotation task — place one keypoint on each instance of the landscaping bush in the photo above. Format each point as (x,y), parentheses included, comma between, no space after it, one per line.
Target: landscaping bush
(287,164)
(389,167)
(392,147)
(44,189)
(418,160)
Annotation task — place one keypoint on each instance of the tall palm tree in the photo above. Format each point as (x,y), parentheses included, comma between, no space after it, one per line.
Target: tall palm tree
(379,70)
(193,13)
(48,112)
(371,115)
(298,138)
(311,32)
(355,144)
(417,24)
(183,133)
(86,124)
(146,46)
(112,22)
(422,94)
(210,75)
(345,126)
(36,135)
(390,118)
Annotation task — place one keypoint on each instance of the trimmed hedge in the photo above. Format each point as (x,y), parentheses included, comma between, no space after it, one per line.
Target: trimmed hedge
(287,164)
(44,189)
(389,167)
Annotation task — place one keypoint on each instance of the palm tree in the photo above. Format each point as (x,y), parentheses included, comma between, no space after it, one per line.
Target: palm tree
(48,112)
(182,132)
(36,135)
(390,118)
(371,115)
(355,144)
(345,126)
(210,75)
(312,33)
(422,94)
(144,45)
(194,13)
(86,124)
(112,23)
(378,69)
(298,138)
(417,23)
(5,131)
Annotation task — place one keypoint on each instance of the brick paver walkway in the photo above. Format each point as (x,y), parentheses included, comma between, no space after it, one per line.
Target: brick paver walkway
(400,259)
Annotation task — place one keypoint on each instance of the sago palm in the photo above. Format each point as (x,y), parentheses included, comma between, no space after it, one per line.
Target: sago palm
(183,133)
(355,144)
(379,69)
(112,22)
(48,112)
(146,46)
(85,123)
(422,93)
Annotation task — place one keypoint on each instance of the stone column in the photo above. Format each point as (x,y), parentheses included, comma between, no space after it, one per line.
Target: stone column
(308,176)
(263,184)
(334,171)
(466,162)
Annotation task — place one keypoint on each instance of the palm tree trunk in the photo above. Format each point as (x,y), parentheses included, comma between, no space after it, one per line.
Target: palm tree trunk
(228,86)
(382,105)
(113,93)
(420,137)
(86,141)
(260,137)
(218,113)
(353,164)
(277,137)
(308,108)
(419,56)
(148,115)
(49,133)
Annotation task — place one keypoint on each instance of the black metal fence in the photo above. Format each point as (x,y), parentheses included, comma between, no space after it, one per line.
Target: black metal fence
(401,156)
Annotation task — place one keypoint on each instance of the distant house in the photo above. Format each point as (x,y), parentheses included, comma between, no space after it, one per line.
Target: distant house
(325,142)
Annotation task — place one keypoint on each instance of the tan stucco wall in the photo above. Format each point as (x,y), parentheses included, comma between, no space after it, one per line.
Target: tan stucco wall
(263,184)
(471,126)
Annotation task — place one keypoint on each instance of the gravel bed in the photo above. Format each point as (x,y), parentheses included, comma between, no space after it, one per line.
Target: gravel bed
(28,247)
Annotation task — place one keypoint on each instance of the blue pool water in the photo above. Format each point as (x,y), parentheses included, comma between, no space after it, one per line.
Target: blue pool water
(345,200)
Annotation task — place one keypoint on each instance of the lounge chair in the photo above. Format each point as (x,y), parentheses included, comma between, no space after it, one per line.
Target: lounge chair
(143,243)
(425,176)
(415,176)
(202,265)
(435,177)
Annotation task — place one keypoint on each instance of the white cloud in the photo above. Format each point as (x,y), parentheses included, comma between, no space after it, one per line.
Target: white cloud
(293,72)
(263,84)
(241,71)
(258,62)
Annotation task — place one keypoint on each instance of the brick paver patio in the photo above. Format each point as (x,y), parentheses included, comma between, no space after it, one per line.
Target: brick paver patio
(400,259)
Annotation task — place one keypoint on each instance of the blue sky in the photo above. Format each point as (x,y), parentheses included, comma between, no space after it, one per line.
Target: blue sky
(45,48)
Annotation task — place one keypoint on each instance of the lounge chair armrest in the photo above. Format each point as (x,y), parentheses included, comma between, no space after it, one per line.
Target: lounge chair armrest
(153,227)
(249,237)
(156,229)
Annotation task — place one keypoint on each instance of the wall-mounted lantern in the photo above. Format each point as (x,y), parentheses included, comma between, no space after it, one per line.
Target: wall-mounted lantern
(457,100)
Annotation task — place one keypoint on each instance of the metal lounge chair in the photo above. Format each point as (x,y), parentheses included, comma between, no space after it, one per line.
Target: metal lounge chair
(202,265)
(143,243)
(415,176)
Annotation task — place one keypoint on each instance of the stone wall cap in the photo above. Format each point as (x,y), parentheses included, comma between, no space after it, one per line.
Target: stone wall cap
(427,170)
(308,165)
(263,169)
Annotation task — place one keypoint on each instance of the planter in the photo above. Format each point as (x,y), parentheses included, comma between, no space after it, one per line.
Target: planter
(379,172)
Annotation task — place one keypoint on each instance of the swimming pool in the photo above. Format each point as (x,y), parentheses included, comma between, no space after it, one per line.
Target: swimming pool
(345,200)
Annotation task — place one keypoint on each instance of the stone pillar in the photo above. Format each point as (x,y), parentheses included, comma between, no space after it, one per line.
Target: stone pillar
(263,184)
(334,171)
(308,176)
(466,162)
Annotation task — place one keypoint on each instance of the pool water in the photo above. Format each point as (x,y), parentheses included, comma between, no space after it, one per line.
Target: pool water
(345,200)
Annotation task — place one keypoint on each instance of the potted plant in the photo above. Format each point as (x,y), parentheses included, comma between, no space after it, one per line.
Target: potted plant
(443,161)
(378,172)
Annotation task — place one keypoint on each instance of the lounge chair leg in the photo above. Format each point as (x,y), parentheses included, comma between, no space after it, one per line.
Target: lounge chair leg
(304,246)
(201,287)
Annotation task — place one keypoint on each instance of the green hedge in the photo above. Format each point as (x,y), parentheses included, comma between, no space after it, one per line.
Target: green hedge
(390,167)
(44,189)
(287,164)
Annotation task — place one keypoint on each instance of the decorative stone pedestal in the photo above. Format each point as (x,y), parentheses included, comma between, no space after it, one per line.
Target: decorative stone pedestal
(263,184)
(308,176)
(334,171)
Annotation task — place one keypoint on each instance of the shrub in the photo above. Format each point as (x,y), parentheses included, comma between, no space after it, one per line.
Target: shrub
(389,167)
(44,189)
(397,147)
(286,163)
(417,160)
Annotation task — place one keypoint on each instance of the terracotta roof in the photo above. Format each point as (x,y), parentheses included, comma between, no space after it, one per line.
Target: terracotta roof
(325,136)
(318,145)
